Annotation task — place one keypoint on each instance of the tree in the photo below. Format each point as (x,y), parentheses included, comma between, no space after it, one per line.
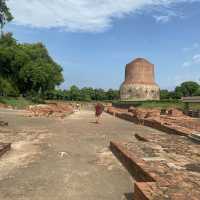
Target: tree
(28,67)
(178,93)
(197,93)
(100,95)
(112,94)
(75,93)
(41,71)
(188,88)
(5,14)
(7,88)
(86,94)
(67,96)
(7,40)
(164,94)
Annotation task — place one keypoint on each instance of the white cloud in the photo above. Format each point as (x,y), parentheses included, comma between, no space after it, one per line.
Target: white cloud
(187,64)
(194,61)
(169,15)
(79,15)
(162,18)
(195,46)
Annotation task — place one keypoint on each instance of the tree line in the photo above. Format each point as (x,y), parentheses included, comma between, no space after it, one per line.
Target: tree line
(188,88)
(83,94)
(28,70)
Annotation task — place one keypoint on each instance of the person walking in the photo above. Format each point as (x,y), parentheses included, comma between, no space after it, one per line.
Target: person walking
(99,108)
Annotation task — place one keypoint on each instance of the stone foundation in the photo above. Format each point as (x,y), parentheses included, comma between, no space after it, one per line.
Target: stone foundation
(171,173)
(139,92)
(139,84)
(184,126)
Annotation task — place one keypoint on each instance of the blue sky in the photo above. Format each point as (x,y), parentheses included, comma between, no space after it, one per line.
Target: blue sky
(94,40)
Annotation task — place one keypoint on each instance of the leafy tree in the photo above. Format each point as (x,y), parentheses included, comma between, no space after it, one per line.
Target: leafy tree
(7,88)
(164,94)
(197,93)
(75,93)
(59,94)
(112,94)
(28,66)
(178,93)
(187,88)
(7,40)
(67,95)
(86,94)
(100,94)
(5,14)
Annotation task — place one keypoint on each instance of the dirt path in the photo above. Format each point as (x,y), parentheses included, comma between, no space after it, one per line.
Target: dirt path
(61,160)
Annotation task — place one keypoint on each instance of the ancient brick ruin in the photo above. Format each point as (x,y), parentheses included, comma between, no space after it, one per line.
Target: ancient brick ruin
(139,82)
(165,165)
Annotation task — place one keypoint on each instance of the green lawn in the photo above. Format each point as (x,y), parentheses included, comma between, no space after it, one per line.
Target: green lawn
(19,102)
(195,106)
(163,104)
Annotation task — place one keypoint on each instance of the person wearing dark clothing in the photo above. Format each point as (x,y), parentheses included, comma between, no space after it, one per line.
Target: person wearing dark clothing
(99,108)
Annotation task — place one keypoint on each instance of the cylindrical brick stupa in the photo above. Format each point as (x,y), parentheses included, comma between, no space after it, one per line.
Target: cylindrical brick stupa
(139,84)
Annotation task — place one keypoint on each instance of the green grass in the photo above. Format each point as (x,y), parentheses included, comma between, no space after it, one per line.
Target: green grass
(21,103)
(195,106)
(162,104)
(18,103)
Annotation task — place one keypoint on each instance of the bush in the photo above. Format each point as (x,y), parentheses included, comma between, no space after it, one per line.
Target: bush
(7,88)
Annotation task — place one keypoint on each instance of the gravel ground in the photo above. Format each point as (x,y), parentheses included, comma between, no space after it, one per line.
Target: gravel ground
(64,159)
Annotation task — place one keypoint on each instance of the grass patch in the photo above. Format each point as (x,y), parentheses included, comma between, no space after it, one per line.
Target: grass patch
(18,102)
(195,106)
(162,104)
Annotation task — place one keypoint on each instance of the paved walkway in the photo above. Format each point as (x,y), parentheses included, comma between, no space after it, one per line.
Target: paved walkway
(71,163)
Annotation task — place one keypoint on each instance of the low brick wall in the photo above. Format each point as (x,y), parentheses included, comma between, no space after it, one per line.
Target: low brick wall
(142,191)
(132,165)
(157,179)
(163,127)
(151,123)
(194,113)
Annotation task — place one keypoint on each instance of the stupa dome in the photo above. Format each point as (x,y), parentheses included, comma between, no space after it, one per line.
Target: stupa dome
(139,81)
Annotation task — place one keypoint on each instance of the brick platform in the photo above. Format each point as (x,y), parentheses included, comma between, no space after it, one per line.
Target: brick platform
(4,147)
(161,171)
(183,126)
